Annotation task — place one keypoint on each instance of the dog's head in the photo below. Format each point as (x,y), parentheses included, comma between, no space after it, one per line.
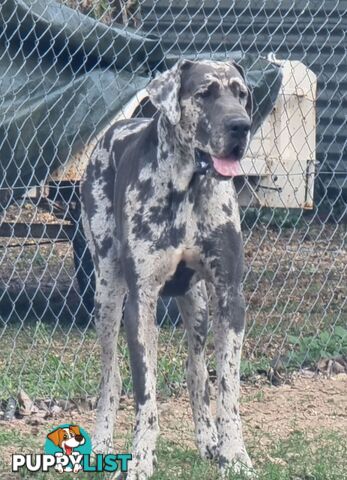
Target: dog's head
(211,107)
(67,438)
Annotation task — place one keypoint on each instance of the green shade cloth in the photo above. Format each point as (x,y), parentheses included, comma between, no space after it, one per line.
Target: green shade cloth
(64,75)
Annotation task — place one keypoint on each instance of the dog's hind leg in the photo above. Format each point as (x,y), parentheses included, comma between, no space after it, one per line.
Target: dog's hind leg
(100,229)
(110,291)
(194,310)
(142,335)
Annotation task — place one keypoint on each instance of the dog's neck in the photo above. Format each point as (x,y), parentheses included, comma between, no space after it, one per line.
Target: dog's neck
(176,156)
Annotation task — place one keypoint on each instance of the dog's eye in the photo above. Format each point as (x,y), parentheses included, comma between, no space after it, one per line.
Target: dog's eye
(65,436)
(211,89)
(203,93)
(242,94)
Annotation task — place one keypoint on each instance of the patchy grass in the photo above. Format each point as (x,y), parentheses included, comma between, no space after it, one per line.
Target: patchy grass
(322,457)
(292,432)
(63,362)
(58,362)
(16,439)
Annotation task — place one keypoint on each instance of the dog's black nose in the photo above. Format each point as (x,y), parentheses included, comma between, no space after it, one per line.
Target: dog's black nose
(78,438)
(238,127)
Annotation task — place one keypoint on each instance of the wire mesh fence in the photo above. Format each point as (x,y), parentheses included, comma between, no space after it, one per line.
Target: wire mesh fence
(66,68)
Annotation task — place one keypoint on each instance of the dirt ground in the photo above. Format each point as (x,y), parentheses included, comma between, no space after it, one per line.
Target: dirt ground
(309,404)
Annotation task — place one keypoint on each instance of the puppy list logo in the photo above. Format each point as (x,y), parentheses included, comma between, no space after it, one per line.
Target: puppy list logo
(68,449)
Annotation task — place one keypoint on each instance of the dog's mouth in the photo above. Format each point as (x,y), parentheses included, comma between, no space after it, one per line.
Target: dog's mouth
(228,166)
(68,450)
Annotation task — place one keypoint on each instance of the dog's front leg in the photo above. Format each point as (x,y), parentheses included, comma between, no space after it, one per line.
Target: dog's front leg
(228,327)
(142,335)
(194,310)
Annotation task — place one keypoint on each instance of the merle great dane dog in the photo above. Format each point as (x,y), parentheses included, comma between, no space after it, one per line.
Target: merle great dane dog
(156,224)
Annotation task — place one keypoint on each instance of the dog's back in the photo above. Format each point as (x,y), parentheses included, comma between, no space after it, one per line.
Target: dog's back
(114,164)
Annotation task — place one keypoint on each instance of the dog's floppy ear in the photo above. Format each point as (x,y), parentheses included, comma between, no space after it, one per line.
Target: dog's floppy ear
(249,104)
(55,437)
(75,429)
(164,92)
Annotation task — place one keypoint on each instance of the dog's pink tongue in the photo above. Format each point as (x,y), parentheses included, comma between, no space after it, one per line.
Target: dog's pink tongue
(228,167)
(68,450)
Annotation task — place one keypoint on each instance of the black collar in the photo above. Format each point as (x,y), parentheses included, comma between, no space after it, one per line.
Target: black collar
(202,162)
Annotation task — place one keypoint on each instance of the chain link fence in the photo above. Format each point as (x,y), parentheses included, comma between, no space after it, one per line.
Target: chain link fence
(65,69)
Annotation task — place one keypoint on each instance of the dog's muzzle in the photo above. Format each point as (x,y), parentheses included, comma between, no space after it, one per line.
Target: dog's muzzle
(227,164)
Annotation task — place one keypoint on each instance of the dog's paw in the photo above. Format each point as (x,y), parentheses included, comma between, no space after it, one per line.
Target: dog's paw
(77,468)
(240,464)
(59,468)
(141,467)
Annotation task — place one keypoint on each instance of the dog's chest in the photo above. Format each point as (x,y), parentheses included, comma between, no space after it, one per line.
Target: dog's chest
(166,228)
(164,216)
